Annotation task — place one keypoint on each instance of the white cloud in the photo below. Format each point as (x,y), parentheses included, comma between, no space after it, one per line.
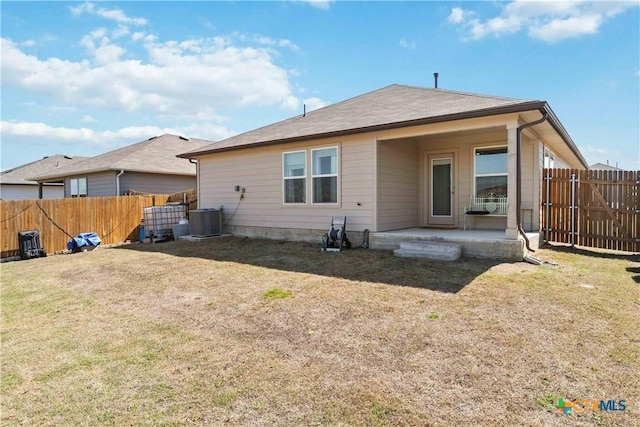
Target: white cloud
(559,29)
(547,20)
(457,15)
(190,84)
(116,15)
(407,44)
(320,4)
(108,139)
(314,103)
(28,43)
(193,75)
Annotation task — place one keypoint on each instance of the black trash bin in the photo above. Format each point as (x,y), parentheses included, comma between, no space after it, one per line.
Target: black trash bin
(29,244)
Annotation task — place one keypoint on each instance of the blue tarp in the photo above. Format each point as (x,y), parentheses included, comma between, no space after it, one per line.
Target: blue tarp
(90,240)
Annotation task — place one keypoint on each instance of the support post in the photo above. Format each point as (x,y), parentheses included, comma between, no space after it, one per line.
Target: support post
(511,231)
(573,209)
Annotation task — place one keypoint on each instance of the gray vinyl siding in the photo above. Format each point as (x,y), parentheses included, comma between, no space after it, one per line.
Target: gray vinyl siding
(259,172)
(155,183)
(398,196)
(101,184)
(25,191)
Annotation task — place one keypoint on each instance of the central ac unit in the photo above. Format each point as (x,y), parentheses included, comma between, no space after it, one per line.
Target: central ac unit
(206,222)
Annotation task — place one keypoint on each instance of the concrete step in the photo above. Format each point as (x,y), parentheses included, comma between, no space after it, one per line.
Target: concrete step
(441,251)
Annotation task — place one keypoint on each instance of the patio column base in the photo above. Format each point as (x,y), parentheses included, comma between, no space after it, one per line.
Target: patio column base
(511,234)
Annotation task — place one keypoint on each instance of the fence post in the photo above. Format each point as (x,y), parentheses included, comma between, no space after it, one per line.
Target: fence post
(573,209)
(547,206)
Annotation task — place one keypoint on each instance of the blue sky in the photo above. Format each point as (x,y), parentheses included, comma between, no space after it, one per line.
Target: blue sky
(83,78)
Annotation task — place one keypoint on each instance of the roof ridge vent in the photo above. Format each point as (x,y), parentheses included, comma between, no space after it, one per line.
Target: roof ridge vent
(184,138)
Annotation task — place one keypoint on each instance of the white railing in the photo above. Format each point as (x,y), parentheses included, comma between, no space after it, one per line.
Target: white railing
(496,206)
(485,206)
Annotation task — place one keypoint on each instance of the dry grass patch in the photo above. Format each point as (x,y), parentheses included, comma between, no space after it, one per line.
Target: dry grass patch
(251,332)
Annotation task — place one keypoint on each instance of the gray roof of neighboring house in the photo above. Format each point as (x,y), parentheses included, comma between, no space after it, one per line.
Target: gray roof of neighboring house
(390,107)
(155,155)
(48,165)
(602,166)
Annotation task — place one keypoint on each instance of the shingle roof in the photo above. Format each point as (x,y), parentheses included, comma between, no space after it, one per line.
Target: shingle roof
(48,165)
(603,167)
(155,155)
(391,106)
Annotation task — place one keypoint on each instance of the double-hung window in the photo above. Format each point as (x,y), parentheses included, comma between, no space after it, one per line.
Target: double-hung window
(324,175)
(320,179)
(491,172)
(78,187)
(295,177)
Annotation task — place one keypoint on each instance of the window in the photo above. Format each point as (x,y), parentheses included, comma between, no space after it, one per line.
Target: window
(491,172)
(324,175)
(78,187)
(549,159)
(295,177)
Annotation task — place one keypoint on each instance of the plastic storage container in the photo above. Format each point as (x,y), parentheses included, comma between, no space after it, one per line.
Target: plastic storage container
(159,220)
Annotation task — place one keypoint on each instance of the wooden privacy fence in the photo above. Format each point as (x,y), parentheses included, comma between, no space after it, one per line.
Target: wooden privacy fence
(188,198)
(593,208)
(113,219)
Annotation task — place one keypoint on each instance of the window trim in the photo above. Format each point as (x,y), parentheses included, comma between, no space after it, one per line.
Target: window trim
(285,178)
(476,175)
(336,175)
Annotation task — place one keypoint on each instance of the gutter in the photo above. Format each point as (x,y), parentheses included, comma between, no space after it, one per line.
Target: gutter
(118,181)
(519,130)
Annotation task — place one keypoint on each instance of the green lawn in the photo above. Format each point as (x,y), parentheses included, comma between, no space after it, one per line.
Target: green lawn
(252,332)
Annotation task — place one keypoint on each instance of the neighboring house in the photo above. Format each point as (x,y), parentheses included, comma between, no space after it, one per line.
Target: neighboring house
(149,166)
(395,158)
(15,185)
(603,167)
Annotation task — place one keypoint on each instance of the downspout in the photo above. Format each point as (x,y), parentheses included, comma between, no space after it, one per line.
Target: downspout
(118,181)
(519,130)
(195,162)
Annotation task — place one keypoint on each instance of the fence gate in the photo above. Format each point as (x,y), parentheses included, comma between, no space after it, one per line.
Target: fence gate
(593,208)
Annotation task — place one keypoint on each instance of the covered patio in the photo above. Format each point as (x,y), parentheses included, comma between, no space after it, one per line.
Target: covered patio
(491,244)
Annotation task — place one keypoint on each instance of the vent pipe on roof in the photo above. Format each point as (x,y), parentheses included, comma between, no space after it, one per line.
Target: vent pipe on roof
(435,77)
(304,110)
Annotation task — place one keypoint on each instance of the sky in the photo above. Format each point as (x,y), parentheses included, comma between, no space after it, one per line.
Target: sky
(84,78)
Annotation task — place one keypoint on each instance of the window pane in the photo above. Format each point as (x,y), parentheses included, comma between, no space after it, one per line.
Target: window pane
(491,161)
(294,190)
(82,186)
(441,187)
(73,186)
(325,161)
(548,159)
(325,190)
(491,186)
(294,164)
